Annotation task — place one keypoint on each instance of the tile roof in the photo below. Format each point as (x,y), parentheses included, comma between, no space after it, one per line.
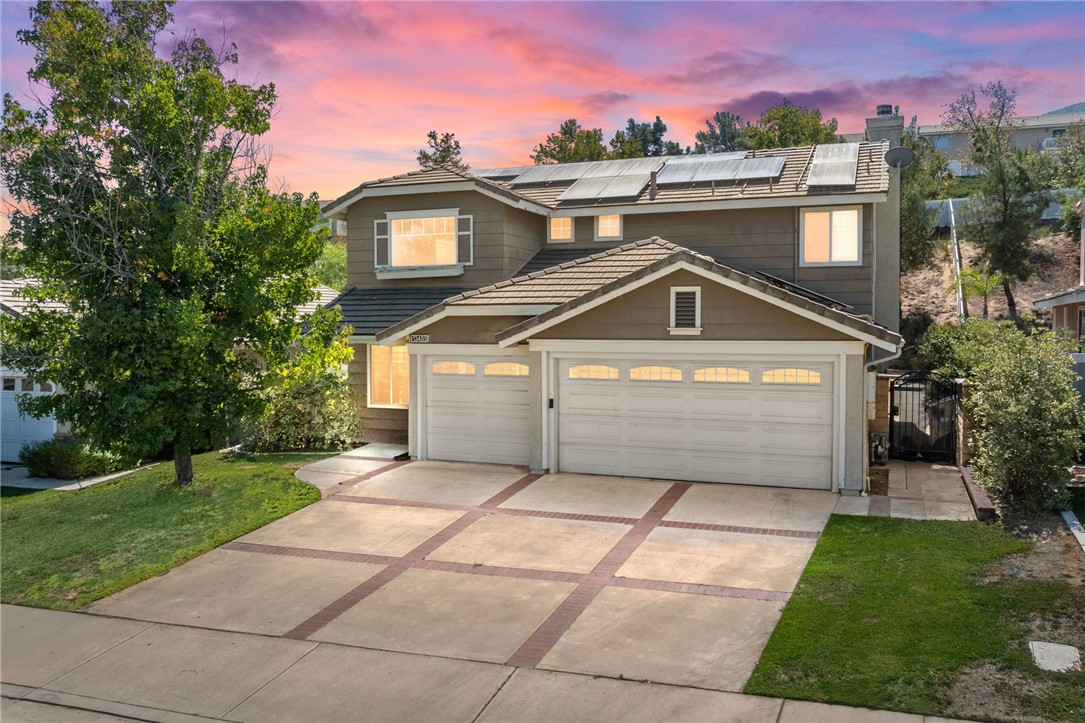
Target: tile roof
(1065,292)
(872,176)
(13,301)
(570,284)
(324,294)
(372,310)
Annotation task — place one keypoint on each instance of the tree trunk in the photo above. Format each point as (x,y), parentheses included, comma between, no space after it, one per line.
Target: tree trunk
(1010,303)
(985,307)
(182,466)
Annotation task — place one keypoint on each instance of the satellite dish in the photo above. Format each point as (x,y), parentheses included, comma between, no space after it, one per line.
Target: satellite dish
(899,157)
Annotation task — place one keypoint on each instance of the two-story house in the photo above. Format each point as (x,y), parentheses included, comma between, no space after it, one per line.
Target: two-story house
(710,318)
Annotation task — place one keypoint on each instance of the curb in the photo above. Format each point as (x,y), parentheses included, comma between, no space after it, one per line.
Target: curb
(1075,527)
(981,503)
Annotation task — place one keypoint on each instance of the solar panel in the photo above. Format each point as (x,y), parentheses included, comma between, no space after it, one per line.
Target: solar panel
(605,187)
(500,172)
(552,172)
(757,168)
(705,157)
(834,165)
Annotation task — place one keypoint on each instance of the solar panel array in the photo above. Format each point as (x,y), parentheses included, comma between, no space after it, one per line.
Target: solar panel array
(606,187)
(834,165)
(731,168)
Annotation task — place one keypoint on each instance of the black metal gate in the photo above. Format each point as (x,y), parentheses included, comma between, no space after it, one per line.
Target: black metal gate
(923,417)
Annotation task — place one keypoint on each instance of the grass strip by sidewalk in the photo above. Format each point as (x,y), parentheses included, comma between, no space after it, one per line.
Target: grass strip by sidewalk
(63,550)
(889,613)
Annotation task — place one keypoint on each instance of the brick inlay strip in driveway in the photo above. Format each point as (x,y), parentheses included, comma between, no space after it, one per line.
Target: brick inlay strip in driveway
(368,475)
(879,506)
(692,588)
(804,534)
(307,552)
(401,565)
(547,635)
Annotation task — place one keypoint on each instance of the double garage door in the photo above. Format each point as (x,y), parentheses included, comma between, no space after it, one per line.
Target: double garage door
(16,429)
(744,422)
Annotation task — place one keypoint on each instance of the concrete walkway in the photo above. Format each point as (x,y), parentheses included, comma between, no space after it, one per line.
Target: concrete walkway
(917,491)
(59,666)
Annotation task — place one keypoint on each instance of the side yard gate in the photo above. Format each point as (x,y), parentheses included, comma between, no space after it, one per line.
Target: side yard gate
(923,417)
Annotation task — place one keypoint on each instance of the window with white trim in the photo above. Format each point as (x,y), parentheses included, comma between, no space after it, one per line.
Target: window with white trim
(685,310)
(593,371)
(831,236)
(655,374)
(608,228)
(561,230)
(388,375)
(419,239)
(721,375)
(455,368)
(790,375)
(506,369)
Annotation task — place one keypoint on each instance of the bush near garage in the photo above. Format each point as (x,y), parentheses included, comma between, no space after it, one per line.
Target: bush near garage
(1027,417)
(312,408)
(74,459)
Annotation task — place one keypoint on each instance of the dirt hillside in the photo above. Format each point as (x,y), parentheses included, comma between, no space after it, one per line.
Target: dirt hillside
(1056,259)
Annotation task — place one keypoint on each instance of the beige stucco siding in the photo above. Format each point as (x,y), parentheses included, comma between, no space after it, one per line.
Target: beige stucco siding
(374,419)
(504,238)
(726,315)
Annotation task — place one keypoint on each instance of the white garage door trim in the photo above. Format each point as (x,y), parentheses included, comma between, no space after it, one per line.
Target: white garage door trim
(475,416)
(833,366)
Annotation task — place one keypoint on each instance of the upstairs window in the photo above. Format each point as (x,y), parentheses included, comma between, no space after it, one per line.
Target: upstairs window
(423,238)
(685,310)
(561,230)
(608,228)
(831,236)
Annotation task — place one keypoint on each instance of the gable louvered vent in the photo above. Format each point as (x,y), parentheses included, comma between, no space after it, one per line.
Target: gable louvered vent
(685,309)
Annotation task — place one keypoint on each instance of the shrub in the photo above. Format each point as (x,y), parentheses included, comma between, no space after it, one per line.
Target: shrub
(1027,417)
(312,408)
(74,459)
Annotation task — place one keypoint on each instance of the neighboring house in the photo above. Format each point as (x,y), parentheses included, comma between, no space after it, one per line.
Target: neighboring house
(1037,133)
(713,318)
(16,429)
(1068,311)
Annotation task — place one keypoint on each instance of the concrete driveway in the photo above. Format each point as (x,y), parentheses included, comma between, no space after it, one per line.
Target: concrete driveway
(661,581)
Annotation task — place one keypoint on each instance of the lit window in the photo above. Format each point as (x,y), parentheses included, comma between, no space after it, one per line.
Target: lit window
(593,371)
(561,229)
(388,376)
(722,375)
(608,227)
(831,236)
(441,239)
(790,375)
(465,369)
(506,369)
(655,374)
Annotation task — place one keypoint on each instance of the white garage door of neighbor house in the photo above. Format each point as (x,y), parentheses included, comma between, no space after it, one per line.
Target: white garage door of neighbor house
(15,429)
(477,409)
(756,423)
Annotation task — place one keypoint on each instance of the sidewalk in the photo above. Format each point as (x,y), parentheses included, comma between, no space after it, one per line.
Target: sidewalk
(58,666)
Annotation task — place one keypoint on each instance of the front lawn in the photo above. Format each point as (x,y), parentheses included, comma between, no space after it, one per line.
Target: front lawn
(922,617)
(63,550)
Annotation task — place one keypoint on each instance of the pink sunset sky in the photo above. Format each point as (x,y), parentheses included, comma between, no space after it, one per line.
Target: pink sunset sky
(360,83)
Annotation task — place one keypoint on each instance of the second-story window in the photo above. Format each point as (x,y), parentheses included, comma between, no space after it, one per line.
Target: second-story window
(831,236)
(608,228)
(423,238)
(561,230)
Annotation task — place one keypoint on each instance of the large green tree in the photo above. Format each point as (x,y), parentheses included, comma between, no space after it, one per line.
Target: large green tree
(1010,195)
(572,143)
(723,133)
(926,178)
(444,152)
(143,206)
(786,125)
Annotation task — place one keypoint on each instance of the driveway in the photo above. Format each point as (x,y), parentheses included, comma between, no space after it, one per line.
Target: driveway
(667,582)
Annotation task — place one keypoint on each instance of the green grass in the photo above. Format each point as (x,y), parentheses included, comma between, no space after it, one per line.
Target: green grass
(63,550)
(889,612)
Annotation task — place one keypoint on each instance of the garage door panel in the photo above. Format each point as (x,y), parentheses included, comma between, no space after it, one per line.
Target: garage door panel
(453,394)
(755,433)
(16,429)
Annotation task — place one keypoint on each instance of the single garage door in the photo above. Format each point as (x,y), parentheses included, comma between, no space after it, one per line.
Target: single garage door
(478,409)
(15,429)
(757,423)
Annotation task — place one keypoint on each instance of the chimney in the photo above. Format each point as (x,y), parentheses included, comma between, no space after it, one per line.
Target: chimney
(652,186)
(887,124)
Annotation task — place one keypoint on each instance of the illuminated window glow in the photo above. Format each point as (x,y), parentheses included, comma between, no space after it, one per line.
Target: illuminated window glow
(506,369)
(608,227)
(423,241)
(454,367)
(593,371)
(831,236)
(790,375)
(561,229)
(722,375)
(655,374)
(389,371)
